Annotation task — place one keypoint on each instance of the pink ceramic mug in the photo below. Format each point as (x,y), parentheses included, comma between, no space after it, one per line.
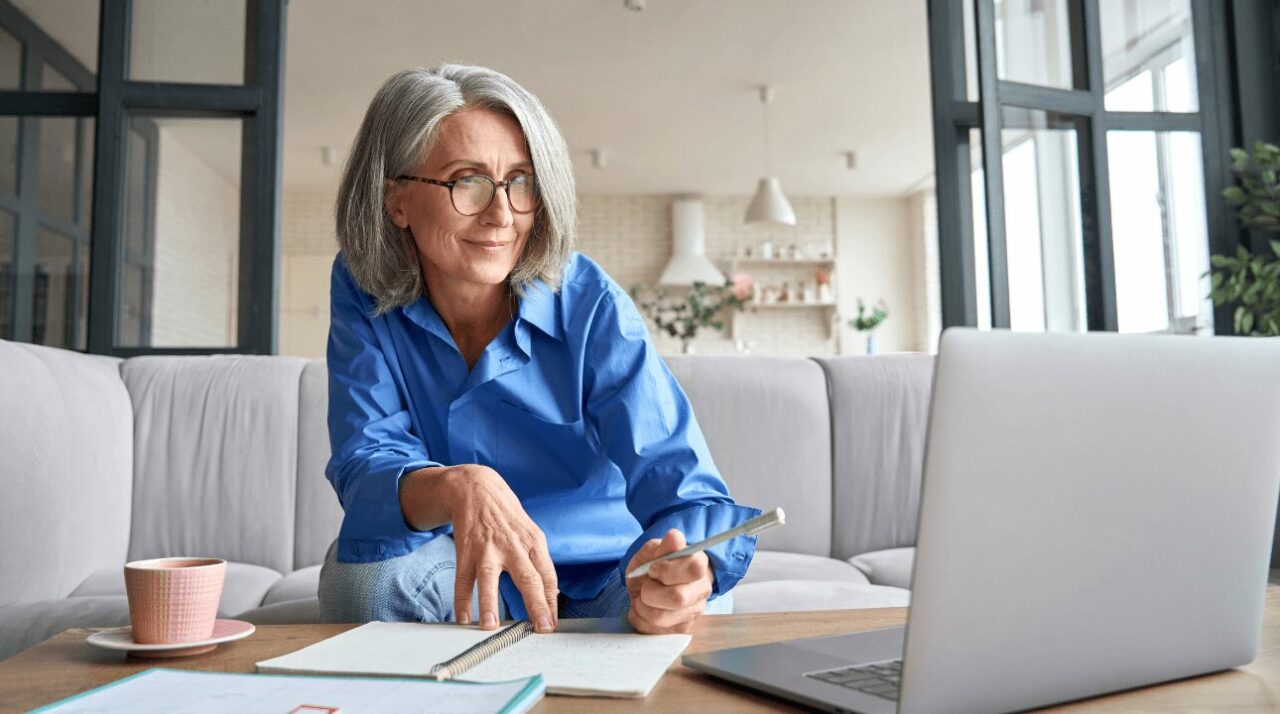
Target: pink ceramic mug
(174,599)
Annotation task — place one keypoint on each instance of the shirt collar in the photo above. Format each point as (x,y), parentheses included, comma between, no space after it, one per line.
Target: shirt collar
(424,315)
(538,308)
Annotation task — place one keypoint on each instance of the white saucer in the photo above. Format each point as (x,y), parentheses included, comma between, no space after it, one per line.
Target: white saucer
(121,638)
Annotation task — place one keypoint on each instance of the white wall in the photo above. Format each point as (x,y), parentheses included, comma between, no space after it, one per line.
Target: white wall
(309,245)
(630,236)
(197,249)
(878,259)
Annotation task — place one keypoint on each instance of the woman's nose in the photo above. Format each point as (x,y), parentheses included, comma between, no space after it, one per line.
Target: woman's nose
(499,212)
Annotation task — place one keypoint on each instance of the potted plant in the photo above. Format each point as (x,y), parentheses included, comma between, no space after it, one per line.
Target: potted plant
(682,316)
(869,322)
(1252,280)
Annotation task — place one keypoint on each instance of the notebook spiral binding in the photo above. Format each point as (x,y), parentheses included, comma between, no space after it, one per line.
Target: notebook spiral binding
(482,651)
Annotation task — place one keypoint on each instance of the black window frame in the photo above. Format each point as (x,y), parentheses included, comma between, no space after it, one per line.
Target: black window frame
(1236,62)
(118,101)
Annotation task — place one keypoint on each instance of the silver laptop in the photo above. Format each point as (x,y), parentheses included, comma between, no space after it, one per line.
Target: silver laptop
(1097,515)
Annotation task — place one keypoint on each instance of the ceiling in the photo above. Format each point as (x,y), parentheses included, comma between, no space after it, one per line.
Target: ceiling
(669,93)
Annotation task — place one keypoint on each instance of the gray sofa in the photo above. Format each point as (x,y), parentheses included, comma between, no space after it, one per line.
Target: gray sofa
(105,460)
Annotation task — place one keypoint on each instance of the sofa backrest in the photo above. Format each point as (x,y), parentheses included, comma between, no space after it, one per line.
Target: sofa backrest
(767,423)
(319,513)
(216,457)
(880,412)
(66,456)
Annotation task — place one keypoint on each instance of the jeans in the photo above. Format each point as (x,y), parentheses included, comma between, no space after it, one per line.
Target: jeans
(418,587)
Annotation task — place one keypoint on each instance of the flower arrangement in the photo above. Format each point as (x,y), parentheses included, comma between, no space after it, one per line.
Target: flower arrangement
(864,322)
(682,316)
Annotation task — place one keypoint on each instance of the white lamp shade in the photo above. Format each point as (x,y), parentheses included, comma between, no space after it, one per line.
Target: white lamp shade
(769,205)
(689,264)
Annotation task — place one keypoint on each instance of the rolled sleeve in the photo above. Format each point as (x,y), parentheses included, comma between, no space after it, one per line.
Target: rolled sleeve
(370,432)
(647,426)
(729,560)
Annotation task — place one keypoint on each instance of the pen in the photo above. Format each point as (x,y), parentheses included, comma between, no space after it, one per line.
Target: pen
(766,520)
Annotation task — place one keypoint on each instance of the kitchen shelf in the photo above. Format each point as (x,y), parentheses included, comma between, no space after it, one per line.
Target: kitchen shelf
(784,261)
(773,305)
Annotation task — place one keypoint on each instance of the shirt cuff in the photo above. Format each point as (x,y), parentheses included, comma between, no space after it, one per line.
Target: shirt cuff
(373,527)
(729,560)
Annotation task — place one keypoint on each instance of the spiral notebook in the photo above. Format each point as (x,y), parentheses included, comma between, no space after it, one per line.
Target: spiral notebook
(584,658)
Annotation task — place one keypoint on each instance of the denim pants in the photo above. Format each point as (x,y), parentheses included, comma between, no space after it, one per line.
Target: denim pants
(418,587)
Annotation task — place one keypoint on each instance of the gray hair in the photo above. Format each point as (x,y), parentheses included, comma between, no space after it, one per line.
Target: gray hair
(398,130)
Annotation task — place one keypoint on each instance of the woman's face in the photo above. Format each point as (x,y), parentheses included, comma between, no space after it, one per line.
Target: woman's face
(482,249)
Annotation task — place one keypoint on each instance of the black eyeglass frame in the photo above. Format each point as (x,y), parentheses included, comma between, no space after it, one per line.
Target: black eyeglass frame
(496,185)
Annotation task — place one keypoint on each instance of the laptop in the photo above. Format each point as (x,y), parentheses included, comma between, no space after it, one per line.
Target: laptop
(1097,515)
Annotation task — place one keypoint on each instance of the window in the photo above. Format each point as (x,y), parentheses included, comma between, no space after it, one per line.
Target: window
(1092,195)
(164,260)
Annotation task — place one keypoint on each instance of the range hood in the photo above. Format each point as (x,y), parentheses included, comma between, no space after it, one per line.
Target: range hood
(689,264)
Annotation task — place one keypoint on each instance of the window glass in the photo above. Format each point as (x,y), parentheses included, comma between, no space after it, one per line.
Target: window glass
(56,161)
(9,155)
(1151,37)
(10,61)
(55,281)
(188,41)
(182,244)
(6,276)
(1033,42)
(1042,222)
(1159,232)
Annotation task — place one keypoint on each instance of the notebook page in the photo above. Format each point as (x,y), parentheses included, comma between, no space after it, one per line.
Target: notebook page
(402,649)
(595,664)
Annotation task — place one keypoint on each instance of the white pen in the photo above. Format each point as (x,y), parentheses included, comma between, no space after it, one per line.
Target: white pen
(765,520)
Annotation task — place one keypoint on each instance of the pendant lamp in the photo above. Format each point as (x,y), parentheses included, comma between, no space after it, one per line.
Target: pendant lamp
(769,205)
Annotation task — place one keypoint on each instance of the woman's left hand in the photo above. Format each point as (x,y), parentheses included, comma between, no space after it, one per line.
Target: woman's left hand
(673,593)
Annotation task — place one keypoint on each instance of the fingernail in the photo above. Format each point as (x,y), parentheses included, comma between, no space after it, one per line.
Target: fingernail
(489,619)
(544,624)
(464,618)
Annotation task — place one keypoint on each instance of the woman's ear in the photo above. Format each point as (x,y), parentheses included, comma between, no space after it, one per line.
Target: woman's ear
(394,204)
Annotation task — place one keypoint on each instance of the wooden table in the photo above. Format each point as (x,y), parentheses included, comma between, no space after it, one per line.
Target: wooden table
(65,665)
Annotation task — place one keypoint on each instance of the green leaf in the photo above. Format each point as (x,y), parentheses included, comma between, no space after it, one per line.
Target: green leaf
(1271,208)
(1234,194)
(1247,324)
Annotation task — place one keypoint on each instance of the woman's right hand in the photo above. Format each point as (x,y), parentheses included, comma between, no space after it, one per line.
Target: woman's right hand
(492,534)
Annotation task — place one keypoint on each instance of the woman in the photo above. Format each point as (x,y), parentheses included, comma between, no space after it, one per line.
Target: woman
(499,418)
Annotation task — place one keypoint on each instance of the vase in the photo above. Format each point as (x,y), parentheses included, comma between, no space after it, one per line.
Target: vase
(686,347)
(871,343)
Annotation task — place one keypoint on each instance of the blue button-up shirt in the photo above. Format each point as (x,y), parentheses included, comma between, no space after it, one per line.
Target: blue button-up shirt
(570,403)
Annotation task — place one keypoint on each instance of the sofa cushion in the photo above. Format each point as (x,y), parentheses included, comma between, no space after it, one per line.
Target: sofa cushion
(23,624)
(887,567)
(767,423)
(305,611)
(319,514)
(778,565)
(243,589)
(879,415)
(298,585)
(215,459)
(66,466)
(801,595)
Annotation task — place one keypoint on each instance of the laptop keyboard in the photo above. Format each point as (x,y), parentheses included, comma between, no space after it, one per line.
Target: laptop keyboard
(879,678)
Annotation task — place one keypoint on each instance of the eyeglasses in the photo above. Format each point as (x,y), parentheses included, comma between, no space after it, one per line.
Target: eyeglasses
(471,195)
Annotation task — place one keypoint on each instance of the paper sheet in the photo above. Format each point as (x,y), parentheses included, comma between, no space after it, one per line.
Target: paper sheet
(596,663)
(163,691)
